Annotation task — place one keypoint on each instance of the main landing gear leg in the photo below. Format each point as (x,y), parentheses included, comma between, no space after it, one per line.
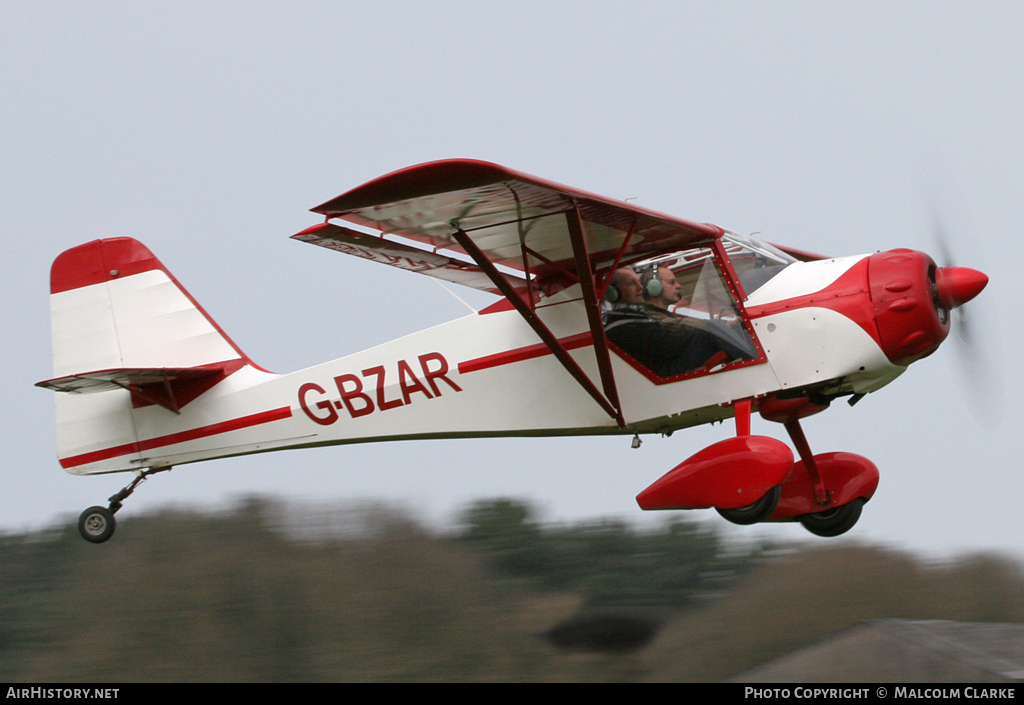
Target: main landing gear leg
(762,508)
(821,496)
(97,524)
(830,521)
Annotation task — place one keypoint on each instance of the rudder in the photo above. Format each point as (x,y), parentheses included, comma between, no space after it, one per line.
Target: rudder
(114,305)
(123,326)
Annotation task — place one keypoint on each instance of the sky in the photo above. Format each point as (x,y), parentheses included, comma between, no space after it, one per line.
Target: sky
(208,130)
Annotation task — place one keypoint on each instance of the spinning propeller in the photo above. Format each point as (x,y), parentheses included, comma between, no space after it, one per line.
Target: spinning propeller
(956,286)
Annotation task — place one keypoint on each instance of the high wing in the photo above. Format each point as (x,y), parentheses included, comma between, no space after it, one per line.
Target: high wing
(517,221)
(556,236)
(396,254)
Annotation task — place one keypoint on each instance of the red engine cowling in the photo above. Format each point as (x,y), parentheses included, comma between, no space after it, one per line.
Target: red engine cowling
(912,318)
(730,474)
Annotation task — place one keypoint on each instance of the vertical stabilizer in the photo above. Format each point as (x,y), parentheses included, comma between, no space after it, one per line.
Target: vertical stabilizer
(113,305)
(126,335)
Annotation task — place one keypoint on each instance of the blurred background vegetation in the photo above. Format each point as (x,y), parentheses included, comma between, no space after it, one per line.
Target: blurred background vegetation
(275,592)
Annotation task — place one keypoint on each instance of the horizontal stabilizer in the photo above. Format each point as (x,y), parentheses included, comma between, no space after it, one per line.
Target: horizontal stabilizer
(411,259)
(171,388)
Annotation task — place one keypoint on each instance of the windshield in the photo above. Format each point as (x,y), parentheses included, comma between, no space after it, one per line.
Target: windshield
(755,261)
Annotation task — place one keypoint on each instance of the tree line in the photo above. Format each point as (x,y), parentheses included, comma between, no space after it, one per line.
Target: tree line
(268,592)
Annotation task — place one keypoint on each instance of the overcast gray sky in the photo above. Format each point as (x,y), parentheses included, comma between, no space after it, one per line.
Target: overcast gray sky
(207,130)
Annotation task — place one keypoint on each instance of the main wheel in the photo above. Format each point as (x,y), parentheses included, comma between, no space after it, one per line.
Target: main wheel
(96,524)
(758,511)
(833,522)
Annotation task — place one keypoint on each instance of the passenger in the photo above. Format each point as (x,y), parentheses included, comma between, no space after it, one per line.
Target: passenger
(625,287)
(666,343)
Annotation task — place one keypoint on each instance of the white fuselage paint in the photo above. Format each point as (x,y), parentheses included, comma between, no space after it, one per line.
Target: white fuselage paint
(534,396)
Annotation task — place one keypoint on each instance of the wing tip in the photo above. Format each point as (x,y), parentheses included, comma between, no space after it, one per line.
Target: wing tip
(416,181)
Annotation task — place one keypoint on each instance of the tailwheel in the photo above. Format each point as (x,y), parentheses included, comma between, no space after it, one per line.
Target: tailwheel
(758,511)
(96,524)
(833,522)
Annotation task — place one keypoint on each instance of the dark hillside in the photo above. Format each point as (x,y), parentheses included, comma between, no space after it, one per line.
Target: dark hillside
(272,593)
(814,593)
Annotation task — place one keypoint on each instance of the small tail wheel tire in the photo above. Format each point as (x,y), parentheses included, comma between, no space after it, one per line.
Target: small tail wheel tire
(96,524)
(758,511)
(833,522)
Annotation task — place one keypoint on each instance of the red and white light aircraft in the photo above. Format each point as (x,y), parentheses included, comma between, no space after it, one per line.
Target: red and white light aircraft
(148,380)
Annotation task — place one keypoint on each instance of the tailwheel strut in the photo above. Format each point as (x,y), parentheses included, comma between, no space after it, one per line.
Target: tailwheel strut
(97,524)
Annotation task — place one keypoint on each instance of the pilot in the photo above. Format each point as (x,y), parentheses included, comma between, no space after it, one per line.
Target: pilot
(666,343)
(660,288)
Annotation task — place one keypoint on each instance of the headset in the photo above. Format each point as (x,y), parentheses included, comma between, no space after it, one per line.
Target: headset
(612,294)
(653,286)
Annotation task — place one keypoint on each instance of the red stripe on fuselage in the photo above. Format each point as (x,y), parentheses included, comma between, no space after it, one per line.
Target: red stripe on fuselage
(580,340)
(98,455)
(181,437)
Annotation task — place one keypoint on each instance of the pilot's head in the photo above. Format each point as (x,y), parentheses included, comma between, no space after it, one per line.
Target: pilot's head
(660,288)
(627,285)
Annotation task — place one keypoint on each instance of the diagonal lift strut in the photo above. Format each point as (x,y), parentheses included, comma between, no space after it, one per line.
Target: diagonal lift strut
(608,401)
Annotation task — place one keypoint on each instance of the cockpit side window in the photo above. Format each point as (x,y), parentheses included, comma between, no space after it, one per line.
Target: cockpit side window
(688,321)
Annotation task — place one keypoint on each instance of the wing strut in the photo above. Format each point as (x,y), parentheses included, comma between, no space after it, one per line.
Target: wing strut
(590,300)
(542,331)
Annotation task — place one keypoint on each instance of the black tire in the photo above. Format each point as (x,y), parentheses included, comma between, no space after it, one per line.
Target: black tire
(833,522)
(96,524)
(758,511)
